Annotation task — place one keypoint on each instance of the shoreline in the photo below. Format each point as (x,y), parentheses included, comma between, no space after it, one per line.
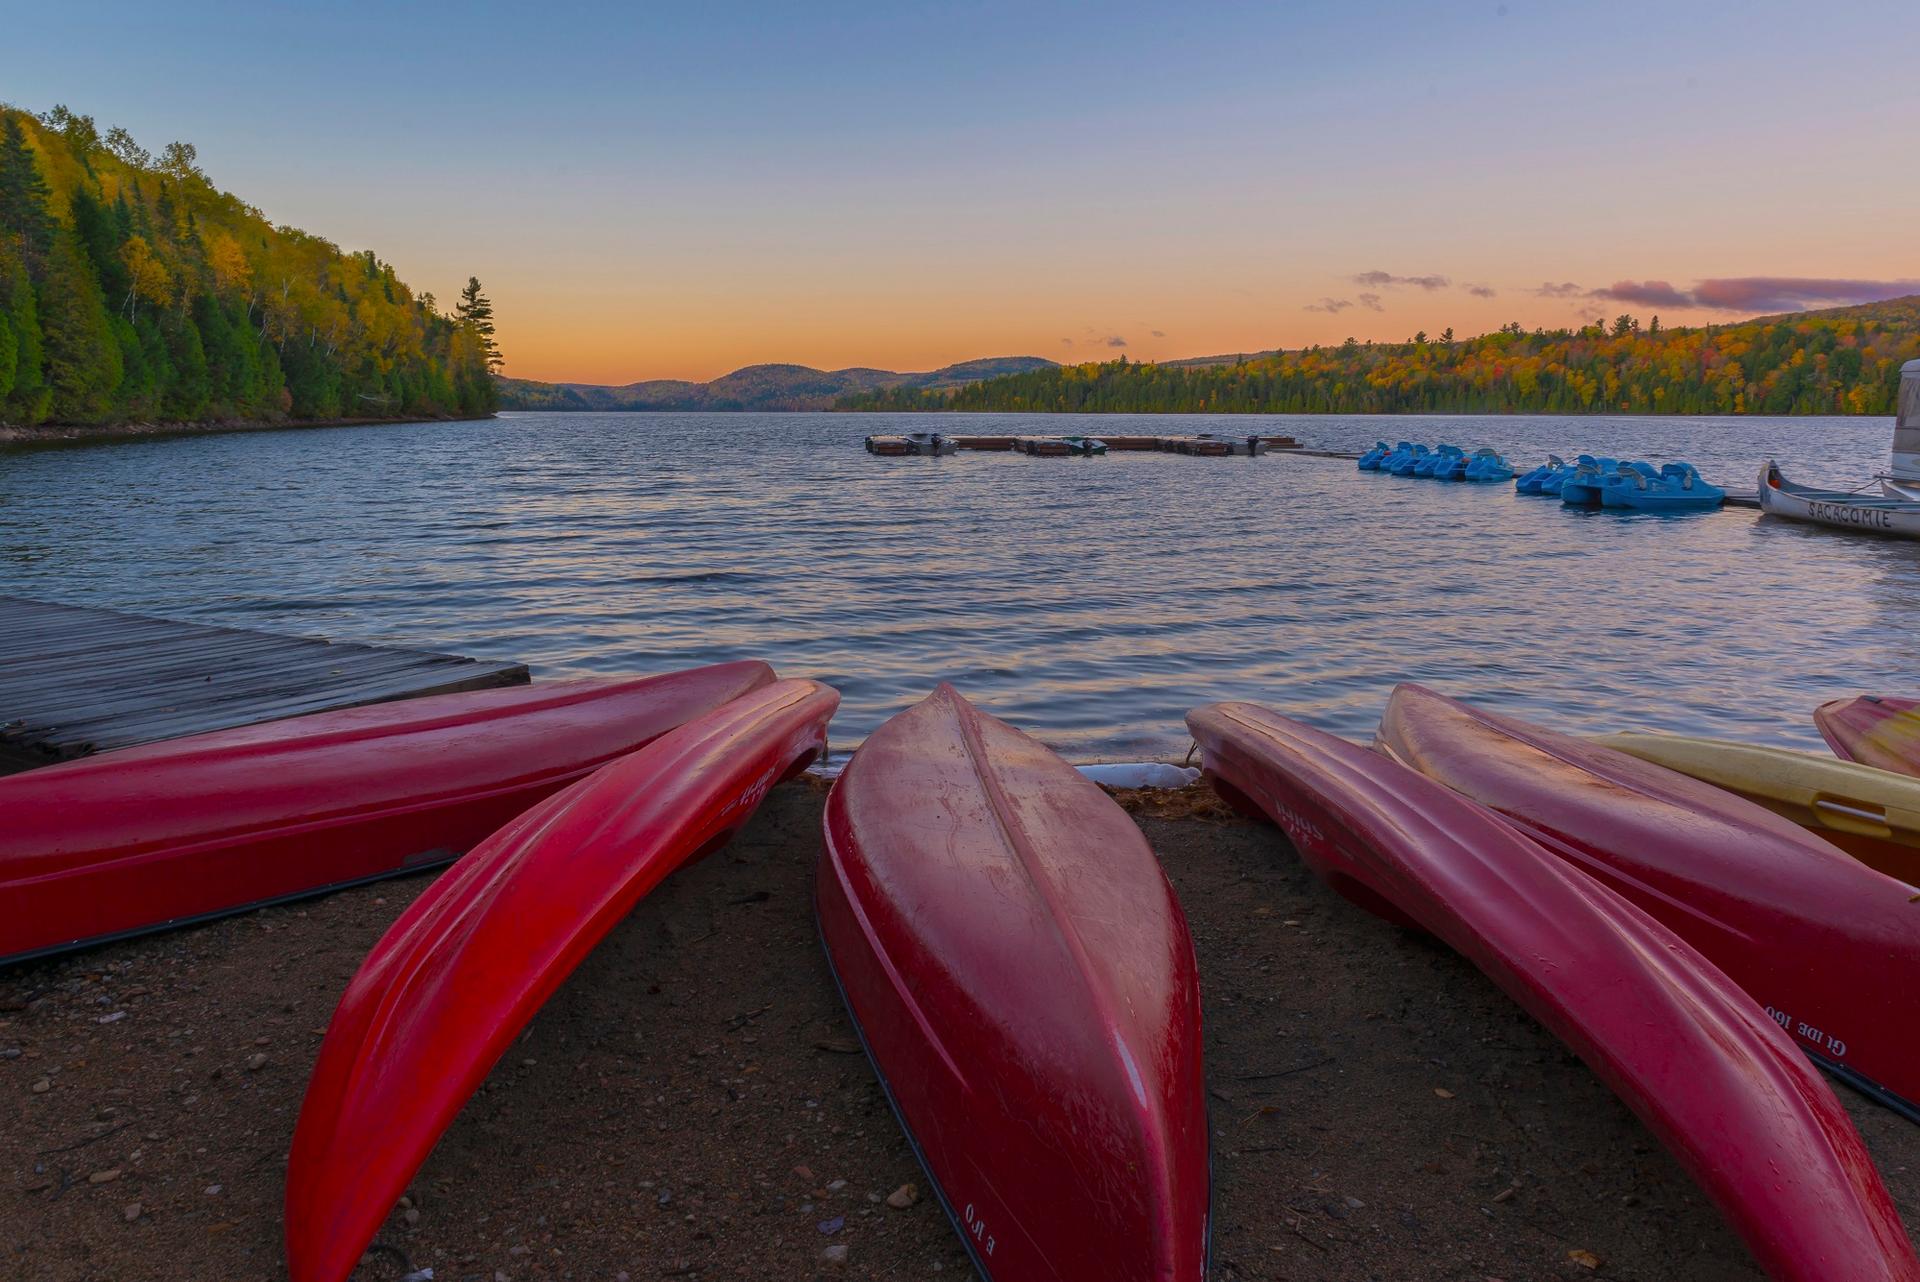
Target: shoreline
(95,433)
(692,1101)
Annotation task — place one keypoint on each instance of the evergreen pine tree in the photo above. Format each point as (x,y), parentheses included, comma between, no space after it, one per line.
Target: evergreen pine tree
(24,196)
(475,309)
(82,358)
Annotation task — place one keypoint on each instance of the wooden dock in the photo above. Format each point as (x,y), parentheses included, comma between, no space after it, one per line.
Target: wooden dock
(75,680)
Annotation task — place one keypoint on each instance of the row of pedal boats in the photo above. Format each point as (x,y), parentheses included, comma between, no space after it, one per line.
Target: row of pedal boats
(1702,923)
(1588,481)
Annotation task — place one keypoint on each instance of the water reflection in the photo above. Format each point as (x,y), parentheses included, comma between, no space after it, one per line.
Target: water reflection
(1090,600)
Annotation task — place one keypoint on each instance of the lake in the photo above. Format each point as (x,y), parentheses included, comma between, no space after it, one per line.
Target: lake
(1088,601)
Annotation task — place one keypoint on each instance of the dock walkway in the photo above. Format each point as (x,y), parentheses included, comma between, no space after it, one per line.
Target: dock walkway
(76,680)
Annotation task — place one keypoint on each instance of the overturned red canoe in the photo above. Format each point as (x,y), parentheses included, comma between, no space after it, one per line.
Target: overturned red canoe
(449,986)
(1874,730)
(169,833)
(1023,980)
(1829,946)
(1701,1064)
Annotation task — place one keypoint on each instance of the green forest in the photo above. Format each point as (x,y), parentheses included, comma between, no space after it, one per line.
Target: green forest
(134,290)
(1843,361)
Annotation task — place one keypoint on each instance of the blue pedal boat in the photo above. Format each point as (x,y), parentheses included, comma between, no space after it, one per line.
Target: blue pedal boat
(1535,482)
(1581,488)
(1430,465)
(1373,458)
(1487,466)
(1404,465)
(1626,476)
(1677,488)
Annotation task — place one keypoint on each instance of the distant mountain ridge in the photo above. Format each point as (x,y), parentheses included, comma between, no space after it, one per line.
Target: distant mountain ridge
(756,387)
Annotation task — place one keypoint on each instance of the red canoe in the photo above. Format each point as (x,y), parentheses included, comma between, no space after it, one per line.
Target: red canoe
(461,972)
(1829,946)
(171,833)
(1023,980)
(1873,730)
(1701,1064)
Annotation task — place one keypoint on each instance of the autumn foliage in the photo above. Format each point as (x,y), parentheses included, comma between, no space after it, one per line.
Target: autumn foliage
(1845,361)
(133,289)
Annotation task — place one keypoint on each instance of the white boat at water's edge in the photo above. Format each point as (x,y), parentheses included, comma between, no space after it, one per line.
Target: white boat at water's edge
(1895,510)
(1842,509)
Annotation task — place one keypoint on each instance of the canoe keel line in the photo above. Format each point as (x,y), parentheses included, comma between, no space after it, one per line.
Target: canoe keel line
(1022,979)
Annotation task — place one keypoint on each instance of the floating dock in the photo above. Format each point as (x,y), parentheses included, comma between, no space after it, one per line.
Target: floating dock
(1204,444)
(78,680)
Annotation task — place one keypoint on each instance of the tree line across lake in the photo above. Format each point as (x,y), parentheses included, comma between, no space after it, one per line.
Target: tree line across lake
(133,290)
(1843,361)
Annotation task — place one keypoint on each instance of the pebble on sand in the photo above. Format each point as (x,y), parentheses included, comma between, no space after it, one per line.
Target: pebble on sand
(835,1254)
(903,1197)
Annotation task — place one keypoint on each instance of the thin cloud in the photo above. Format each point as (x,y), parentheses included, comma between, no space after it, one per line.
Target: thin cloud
(1158,333)
(1387,280)
(1794,293)
(1114,340)
(1565,289)
(1371,302)
(1756,294)
(1331,306)
(1646,293)
(1483,291)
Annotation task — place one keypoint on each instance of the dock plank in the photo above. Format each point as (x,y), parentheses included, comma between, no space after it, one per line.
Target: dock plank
(76,680)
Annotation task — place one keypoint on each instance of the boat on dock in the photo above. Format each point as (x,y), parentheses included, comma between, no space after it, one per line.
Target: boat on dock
(1487,466)
(1895,510)
(1545,479)
(1043,446)
(1840,509)
(1581,487)
(1091,446)
(931,443)
(1677,487)
(1404,464)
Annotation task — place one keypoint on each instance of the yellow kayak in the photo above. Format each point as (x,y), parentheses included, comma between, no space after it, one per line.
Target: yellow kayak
(1872,814)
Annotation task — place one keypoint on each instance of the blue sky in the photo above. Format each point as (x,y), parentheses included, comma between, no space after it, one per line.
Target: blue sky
(676,190)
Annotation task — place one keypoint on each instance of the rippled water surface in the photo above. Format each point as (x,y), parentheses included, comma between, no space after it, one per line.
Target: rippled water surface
(1089,601)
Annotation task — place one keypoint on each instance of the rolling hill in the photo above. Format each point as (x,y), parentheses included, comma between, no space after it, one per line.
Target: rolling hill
(757,387)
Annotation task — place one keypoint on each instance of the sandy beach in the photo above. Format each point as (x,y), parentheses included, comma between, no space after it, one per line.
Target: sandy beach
(693,1103)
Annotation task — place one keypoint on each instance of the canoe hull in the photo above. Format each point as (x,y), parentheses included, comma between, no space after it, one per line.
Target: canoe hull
(1707,1071)
(450,986)
(969,899)
(1874,730)
(1858,513)
(1823,942)
(171,833)
(1872,814)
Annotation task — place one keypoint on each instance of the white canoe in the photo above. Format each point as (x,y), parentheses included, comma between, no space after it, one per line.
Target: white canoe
(1843,510)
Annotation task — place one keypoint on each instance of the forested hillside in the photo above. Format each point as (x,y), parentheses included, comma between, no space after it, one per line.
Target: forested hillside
(134,290)
(1844,361)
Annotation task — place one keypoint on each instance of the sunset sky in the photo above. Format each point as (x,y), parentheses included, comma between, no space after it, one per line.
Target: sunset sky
(654,191)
